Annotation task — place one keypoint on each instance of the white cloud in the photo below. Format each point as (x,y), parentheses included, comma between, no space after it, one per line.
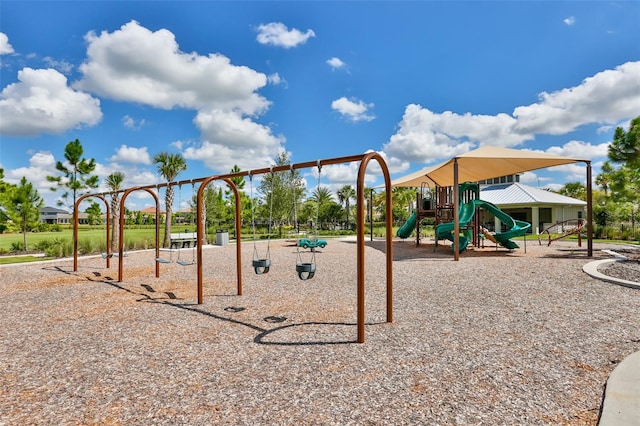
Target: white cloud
(137,65)
(607,97)
(336,63)
(424,136)
(130,123)
(229,138)
(41,102)
(5,47)
(41,164)
(610,97)
(569,21)
(63,66)
(572,172)
(529,178)
(277,34)
(130,154)
(353,109)
(580,149)
(276,80)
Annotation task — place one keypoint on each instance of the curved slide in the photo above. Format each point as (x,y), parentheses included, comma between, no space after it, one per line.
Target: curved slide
(444,231)
(405,230)
(467,210)
(517,228)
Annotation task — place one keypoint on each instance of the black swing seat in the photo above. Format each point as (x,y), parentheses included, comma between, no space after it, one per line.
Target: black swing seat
(161,260)
(184,262)
(306,271)
(261,266)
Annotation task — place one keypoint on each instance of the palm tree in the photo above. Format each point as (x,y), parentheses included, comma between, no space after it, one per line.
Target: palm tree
(169,167)
(404,196)
(114,183)
(345,195)
(321,195)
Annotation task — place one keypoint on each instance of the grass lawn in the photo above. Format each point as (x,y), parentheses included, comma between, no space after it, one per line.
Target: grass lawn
(22,259)
(96,234)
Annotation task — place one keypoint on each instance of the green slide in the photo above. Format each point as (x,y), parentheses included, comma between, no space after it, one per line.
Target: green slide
(516,228)
(444,231)
(405,230)
(466,212)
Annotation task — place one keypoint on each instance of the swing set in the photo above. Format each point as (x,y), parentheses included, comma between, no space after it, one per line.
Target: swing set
(305,270)
(179,261)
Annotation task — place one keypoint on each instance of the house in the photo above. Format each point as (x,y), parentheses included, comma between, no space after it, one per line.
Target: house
(54,216)
(537,206)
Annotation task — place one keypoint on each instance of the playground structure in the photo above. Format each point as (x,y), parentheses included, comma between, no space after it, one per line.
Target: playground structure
(438,205)
(562,230)
(488,162)
(363,159)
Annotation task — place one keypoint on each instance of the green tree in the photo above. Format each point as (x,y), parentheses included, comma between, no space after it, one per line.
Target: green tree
(625,147)
(575,190)
(114,182)
(279,190)
(369,198)
(402,198)
(322,198)
(239,182)
(345,195)
(76,178)
(94,214)
(23,207)
(169,166)
(623,181)
(5,189)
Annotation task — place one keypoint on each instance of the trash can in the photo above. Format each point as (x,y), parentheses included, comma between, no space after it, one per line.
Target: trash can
(222,237)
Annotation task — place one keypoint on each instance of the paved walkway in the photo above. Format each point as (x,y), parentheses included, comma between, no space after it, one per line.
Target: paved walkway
(622,396)
(621,406)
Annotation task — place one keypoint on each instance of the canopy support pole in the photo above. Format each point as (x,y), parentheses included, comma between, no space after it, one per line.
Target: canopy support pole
(589,211)
(456,217)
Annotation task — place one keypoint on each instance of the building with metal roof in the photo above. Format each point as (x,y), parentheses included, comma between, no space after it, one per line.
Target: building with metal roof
(537,206)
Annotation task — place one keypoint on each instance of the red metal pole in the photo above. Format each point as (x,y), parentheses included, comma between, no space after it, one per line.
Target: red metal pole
(360,260)
(589,212)
(121,242)
(75,228)
(233,186)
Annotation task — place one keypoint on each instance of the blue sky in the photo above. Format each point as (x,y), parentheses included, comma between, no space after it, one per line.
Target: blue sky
(227,83)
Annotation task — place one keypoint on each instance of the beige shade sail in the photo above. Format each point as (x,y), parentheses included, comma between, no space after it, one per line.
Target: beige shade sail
(483,163)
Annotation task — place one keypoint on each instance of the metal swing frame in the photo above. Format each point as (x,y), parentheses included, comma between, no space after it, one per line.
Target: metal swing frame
(158,258)
(261,265)
(179,261)
(363,159)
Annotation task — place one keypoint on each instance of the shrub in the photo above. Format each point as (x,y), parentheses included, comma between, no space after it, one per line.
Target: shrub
(59,247)
(17,246)
(86,246)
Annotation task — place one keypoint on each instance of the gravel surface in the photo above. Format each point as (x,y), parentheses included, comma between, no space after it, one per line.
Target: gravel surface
(496,338)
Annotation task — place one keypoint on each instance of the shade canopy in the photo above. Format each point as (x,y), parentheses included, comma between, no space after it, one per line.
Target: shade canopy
(486,162)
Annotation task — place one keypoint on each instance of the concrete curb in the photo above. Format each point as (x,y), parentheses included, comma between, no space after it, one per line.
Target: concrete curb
(591,269)
(621,405)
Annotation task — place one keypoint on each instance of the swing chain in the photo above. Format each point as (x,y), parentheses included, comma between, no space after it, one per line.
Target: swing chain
(260,266)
